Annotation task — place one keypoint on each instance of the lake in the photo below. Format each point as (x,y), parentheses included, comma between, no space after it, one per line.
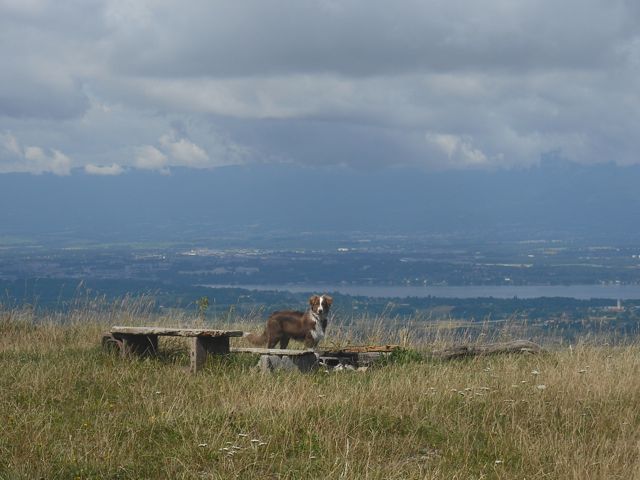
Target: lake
(584,292)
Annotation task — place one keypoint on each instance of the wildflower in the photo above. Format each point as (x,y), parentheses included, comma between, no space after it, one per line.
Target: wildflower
(158,392)
(498,462)
(541,387)
(535,372)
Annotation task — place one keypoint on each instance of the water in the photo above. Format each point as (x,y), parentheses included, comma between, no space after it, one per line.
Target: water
(582,292)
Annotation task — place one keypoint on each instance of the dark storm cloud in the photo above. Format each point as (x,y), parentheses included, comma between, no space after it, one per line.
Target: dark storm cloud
(362,38)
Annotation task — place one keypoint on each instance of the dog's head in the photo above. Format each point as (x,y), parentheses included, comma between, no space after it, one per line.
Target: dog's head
(320,304)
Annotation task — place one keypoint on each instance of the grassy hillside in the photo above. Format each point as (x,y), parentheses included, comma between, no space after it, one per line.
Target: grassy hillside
(68,410)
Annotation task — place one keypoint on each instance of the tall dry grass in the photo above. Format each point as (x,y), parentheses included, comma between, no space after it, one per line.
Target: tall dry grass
(69,410)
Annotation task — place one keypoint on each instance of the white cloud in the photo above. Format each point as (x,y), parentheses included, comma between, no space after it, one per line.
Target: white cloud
(31,159)
(458,150)
(10,143)
(150,158)
(34,154)
(40,162)
(184,152)
(175,150)
(113,169)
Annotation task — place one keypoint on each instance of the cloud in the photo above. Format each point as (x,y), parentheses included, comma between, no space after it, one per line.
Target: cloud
(150,158)
(441,84)
(356,38)
(175,150)
(184,152)
(31,159)
(37,161)
(113,169)
(460,151)
(10,144)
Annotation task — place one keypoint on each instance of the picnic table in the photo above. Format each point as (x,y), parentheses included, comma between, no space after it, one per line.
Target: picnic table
(144,341)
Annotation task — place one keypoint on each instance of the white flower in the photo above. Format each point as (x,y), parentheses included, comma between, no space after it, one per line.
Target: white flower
(541,387)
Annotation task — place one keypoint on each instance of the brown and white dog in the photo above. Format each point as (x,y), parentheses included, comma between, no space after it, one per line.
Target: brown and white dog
(308,327)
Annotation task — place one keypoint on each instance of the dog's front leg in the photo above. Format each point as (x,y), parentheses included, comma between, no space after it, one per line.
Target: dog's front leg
(272,341)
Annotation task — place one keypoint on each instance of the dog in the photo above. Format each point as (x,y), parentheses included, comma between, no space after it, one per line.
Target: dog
(308,327)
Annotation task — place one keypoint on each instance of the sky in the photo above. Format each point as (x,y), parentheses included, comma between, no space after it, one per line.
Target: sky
(110,87)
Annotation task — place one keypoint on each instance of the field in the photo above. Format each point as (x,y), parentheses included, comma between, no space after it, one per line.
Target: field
(69,410)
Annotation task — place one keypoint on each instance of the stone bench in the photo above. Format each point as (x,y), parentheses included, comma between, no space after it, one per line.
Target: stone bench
(272,359)
(144,341)
(353,356)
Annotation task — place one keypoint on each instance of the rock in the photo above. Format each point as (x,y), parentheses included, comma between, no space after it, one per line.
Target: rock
(304,363)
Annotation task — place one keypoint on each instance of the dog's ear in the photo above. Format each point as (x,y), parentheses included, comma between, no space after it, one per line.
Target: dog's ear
(314,300)
(328,300)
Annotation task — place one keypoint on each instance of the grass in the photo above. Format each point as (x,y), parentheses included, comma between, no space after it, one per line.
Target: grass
(69,410)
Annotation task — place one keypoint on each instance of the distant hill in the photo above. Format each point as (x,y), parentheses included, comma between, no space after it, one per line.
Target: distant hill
(566,200)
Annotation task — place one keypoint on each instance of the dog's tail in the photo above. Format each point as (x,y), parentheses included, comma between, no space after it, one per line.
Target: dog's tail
(255,339)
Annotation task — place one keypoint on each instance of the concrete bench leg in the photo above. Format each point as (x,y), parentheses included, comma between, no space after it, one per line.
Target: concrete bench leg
(304,363)
(139,344)
(201,346)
